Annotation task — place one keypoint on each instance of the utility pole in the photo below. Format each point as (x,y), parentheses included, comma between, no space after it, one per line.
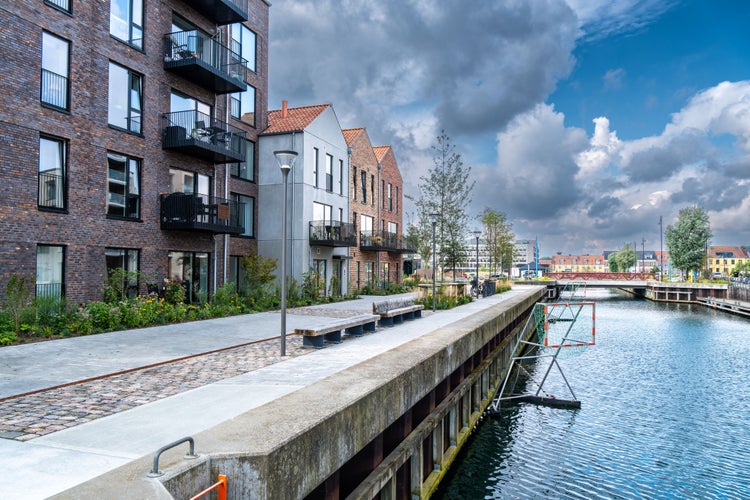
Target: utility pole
(643,255)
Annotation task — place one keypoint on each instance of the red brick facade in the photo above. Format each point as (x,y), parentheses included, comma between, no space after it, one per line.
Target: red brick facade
(83,228)
(376,167)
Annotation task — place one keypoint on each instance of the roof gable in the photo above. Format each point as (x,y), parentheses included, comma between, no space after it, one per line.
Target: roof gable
(294,120)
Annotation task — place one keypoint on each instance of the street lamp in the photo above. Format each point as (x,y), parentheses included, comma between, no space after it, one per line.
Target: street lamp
(286,162)
(434,220)
(477,234)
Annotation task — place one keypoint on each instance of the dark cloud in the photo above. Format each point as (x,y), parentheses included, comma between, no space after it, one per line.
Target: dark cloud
(664,159)
(604,207)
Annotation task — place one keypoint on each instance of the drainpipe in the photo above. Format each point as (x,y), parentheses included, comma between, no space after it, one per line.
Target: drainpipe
(378,224)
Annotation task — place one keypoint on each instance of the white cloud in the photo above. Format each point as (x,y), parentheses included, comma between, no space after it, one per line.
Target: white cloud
(613,78)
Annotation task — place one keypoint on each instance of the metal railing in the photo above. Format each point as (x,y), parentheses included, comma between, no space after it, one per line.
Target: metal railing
(51,190)
(49,290)
(196,46)
(189,211)
(220,486)
(381,240)
(334,233)
(155,472)
(54,90)
(193,129)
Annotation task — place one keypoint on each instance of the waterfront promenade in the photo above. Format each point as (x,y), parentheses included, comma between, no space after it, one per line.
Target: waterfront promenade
(73,409)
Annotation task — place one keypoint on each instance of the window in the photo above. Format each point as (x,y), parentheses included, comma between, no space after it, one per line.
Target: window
(126,21)
(381,194)
(55,88)
(125,98)
(52,190)
(127,260)
(365,223)
(244,44)
(243,216)
(390,197)
(236,274)
(190,268)
(363,175)
(60,4)
(341,177)
(49,271)
(372,189)
(316,162)
(393,228)
(243,105)
(369,272)
(123,186)
(354,182)
(329,173)
(322,212)
(181,181)
(246,169)
(396,199)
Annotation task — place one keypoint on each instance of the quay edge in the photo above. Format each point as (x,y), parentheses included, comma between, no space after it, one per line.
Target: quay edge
(390,424)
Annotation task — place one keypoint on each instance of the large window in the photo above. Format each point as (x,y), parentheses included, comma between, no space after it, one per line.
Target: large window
(125,98)
(191,269)
(52,190)
(123,186)
(246,169)
(354,182)
(181,181)
(329,173)
(245,212)
(55,70)
(322,212)
(126,21)
(341,177)
(243,105)
(236,274)
(127,260)
(244,44)
(366,223)
(363,176)
(390,197)
(49,270)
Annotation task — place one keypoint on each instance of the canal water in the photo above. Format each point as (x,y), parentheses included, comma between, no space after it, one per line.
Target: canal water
(665,413)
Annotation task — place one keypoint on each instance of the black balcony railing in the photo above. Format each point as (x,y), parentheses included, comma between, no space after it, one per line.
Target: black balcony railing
(333,234)
(196,212)
(201,136)
(222,12)
(51,190)
(381,241)
(54,90)
(203,60)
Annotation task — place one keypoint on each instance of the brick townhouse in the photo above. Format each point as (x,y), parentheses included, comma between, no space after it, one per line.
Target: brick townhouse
(129,134)
(376,207)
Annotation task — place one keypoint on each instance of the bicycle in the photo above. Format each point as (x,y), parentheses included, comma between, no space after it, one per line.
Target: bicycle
(476,288)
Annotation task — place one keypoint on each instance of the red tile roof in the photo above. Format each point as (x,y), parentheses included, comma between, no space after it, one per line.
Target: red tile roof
(350,134)
(296,120)
(380,152)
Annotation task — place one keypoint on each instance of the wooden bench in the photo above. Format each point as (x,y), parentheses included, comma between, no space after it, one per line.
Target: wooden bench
(330,331)
(395,311)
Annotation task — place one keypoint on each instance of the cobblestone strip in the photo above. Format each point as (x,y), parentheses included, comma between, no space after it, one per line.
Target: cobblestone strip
(28,417)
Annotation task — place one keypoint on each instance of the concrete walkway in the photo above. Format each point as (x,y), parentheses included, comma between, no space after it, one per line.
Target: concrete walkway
(54,436)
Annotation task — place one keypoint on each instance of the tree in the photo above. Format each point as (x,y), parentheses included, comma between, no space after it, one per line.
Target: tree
(622,260)
(498,238)
(446,191)
(419,239)
(688,239)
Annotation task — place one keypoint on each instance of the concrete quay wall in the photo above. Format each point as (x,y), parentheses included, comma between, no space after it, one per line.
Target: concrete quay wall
(389,425)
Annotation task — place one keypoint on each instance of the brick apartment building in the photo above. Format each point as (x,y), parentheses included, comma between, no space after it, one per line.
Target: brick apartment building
(376,208)
(129,135)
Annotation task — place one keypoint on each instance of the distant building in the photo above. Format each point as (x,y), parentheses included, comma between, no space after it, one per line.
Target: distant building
(722,260)
(578,264)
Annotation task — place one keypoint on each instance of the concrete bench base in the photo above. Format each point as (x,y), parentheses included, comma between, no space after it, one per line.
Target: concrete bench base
(316,337)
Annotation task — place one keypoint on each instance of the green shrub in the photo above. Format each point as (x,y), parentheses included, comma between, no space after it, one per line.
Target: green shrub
(17,300)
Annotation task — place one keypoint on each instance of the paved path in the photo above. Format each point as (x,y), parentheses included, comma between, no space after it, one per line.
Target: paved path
(53,439)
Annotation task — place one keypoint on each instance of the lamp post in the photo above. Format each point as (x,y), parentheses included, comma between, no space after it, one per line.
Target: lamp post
(661,250)
(477,234)
(434,220)
(286,162)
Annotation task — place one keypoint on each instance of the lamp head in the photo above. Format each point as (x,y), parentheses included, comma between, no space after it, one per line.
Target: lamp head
(434,218)
(286,159)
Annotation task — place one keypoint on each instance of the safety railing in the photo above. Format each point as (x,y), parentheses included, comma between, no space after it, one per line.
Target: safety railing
(155,472)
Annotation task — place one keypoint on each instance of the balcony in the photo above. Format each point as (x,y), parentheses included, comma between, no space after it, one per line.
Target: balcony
(333,234)
(199,135)
(196,212)
(222,12)
(378,241)
(202,60)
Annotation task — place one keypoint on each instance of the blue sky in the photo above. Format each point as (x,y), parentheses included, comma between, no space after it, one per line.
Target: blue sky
(583,120)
